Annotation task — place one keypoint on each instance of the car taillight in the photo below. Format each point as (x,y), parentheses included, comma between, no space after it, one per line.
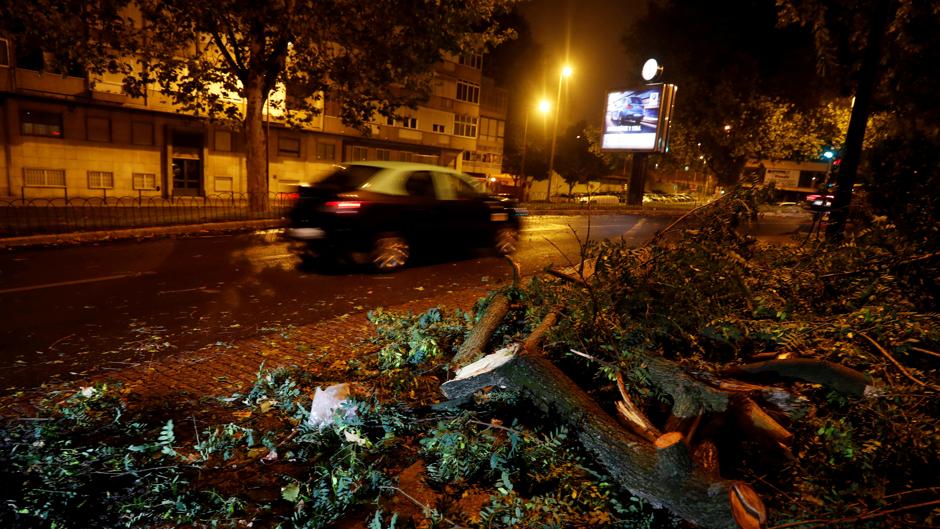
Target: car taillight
(629,107)
(344,206)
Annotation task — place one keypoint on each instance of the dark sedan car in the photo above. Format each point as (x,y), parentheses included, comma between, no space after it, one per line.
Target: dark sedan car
(377,212)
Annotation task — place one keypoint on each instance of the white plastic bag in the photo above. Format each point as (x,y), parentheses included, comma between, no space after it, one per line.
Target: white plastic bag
(325,402)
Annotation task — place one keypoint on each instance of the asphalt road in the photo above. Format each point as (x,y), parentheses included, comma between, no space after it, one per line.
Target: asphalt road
(68,311)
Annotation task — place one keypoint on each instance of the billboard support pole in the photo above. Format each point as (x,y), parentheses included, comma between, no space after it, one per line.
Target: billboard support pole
(637,179)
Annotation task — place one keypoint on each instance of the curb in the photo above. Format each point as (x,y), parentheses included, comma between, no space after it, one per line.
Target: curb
(137,233)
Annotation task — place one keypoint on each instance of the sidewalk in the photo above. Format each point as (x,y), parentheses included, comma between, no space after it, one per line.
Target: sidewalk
(223,369)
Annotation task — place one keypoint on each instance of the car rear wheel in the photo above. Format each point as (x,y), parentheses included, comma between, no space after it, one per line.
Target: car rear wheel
(506,240)
(390,252)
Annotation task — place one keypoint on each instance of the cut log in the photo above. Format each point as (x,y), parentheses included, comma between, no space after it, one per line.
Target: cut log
(472,347)
(690,494)
(753,417)
(838,377)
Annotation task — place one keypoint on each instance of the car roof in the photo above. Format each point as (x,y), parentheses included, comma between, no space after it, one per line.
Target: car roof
(403,166)
(388,179)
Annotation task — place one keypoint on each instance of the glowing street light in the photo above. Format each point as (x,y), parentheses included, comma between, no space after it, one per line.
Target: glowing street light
(543,107)
(565,73)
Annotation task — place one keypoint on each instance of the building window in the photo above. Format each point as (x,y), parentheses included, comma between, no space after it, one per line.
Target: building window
(4,53)
(100,180)
(288,147)
(467,91)
(404,156)
(223,141)
(383,154)
(326,151)
(98,129)
(408,122)
(437,127)
(141,133)
(145,181)
(41,123)
(358,154)
(34,177)
(473,60)
(466,156)
(465,126)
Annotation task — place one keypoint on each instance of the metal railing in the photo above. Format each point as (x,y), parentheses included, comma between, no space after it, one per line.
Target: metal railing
(19,217)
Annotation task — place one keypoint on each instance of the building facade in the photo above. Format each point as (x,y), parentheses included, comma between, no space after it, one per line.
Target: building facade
(67,136)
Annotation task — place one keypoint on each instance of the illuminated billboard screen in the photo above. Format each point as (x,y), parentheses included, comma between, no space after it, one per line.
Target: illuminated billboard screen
(638,120)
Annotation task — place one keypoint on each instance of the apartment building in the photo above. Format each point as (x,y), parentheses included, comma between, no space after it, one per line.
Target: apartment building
(66,136)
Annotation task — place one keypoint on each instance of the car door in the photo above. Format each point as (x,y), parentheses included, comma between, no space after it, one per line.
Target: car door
(420,212)
(464,212)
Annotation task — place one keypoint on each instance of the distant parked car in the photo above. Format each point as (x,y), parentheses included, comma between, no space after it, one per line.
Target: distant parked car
(597,199)
(377,212)
(819,202)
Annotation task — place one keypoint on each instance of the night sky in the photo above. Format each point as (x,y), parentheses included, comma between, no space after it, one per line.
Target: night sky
(587,34)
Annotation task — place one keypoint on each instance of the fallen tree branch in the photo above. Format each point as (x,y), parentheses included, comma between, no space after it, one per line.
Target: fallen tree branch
(925,351)
(534,340)
(754,417)
(516,271)
(689,396)
(472,347)
(566,277)
(838,377)
(691,494)
(897,364)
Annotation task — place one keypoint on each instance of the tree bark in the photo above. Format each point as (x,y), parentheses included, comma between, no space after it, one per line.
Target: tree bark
(472,348)
(852,149)
(838,377)
(637,465)
(256,146)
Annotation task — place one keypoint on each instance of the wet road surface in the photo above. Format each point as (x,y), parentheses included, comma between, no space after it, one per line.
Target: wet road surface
(70,311)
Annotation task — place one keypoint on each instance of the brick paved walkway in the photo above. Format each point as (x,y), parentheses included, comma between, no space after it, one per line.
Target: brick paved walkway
(223,369)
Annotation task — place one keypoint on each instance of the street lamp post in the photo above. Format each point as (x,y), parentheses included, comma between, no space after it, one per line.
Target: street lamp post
(565,73)
(543,108)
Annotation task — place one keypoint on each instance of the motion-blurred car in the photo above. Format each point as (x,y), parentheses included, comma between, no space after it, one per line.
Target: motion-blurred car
(377,212)
(819,203)
(631,113)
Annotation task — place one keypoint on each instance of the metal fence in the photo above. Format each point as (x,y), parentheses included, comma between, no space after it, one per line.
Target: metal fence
(63,215)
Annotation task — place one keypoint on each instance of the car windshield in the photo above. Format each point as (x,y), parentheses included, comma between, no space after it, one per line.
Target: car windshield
(351,177)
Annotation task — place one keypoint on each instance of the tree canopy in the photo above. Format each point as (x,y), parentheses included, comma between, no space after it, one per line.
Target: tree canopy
(224,58)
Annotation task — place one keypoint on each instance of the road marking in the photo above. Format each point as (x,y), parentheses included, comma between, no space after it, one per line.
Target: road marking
(634,228)
(565,227)
(274,257)
(75,282)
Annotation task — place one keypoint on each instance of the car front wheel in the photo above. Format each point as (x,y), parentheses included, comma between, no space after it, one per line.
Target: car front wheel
(506,240)
(390,252)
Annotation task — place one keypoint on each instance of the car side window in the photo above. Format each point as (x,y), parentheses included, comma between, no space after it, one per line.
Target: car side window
(464,190)
(420,184)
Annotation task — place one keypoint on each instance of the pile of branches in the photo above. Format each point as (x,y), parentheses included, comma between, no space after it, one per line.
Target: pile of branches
(734,384)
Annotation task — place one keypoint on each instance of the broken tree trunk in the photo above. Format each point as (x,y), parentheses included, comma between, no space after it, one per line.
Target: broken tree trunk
(472,347)
(691,493)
